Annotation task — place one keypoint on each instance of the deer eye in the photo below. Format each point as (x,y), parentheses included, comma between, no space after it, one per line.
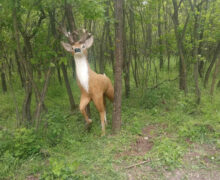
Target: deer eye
(83,46)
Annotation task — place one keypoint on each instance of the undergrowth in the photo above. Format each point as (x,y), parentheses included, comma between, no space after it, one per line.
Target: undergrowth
(62,149)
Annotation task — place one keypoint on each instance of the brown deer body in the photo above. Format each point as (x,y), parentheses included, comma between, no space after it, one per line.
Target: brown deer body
(94,87)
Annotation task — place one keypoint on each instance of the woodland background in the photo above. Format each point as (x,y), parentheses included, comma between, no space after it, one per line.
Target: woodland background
(170,99)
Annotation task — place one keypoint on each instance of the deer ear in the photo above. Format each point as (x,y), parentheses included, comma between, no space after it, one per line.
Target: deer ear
(89,42)
(67,46)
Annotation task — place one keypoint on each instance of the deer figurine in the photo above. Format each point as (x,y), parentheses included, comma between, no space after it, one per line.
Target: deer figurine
(94,87)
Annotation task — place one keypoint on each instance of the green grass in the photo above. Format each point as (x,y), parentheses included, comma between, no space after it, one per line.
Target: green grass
(68,152)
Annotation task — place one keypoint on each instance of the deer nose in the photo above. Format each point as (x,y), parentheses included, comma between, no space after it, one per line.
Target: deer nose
(77,50)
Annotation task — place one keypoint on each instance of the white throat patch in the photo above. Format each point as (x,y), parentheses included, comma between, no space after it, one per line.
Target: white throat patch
(82,71)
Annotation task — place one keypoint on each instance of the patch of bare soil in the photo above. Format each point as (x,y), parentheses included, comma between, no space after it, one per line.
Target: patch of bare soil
(143,143)
(200,163)
(32,177)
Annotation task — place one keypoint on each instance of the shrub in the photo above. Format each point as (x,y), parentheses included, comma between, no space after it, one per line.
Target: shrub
(56,126)
(195,131)
(60,169)
(20,144)
(167,153)
(155,97)
(16,147)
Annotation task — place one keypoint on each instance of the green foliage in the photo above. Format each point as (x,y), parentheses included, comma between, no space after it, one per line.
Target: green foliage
(7,164)
(60,169)
(90,9)
(157,96)
(195,131)
(16,147)
(166,152)
(20,144)
(56,126)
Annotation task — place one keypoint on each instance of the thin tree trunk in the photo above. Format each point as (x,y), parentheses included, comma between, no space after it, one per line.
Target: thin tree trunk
(116,118)
(202,28)
(59,75)
(19,69)
(3,79)
(101,57)
(108,31)
(215,74)
(42,97)
(160,36)
(68,88)
(194,7)
(208,72)
(126,64)
(26,108)
(179,40)
(166,38)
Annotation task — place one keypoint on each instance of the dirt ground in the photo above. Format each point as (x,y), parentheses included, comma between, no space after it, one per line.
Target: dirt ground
(201,162)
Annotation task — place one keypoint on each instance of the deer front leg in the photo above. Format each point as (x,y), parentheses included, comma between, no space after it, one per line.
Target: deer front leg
(84,101)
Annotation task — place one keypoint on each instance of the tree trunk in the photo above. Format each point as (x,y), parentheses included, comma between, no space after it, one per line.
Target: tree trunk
(70,18)
(19,69)
(160,36)
(195,48)
(26,110)
(68,88)
(59,75)
(217,51)
(116,118)
(215,74)
(179,40)
(126,63)
(42,97)
(202,28)
(166,38)
(3,79)
(101,57)
(108,33)
(218,84)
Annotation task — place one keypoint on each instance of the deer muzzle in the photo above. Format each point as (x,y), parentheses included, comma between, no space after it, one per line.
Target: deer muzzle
(77,50)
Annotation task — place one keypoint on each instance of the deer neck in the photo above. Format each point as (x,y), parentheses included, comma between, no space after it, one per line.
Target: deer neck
(82,71)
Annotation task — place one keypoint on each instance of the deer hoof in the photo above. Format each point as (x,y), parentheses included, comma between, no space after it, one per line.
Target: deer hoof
(88,125)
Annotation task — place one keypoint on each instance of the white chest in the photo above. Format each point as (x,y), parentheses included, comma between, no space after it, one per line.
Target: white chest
(82,72)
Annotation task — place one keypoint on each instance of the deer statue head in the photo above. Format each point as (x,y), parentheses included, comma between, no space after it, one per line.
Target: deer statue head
(78,48)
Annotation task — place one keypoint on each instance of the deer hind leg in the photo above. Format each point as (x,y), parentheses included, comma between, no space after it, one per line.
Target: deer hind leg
(105,118)
(99,103)
(84,101)
(110,93)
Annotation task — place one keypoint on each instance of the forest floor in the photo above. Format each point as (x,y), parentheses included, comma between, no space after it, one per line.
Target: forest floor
(199,163)
(164,135)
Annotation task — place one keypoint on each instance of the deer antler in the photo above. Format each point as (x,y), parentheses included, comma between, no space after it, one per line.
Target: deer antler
(84,36)
(69,35)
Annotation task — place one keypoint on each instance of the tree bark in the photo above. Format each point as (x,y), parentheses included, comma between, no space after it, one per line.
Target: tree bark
(208,72)
(3,79)
(179,40)
(116,118)
(59,75)
(215,74)
(196,8)
(101,57)
(42,97)
(160,36)
(126,63)
(68,88)
(202,29)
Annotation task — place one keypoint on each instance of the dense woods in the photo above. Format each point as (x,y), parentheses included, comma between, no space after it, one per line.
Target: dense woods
(154,51)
